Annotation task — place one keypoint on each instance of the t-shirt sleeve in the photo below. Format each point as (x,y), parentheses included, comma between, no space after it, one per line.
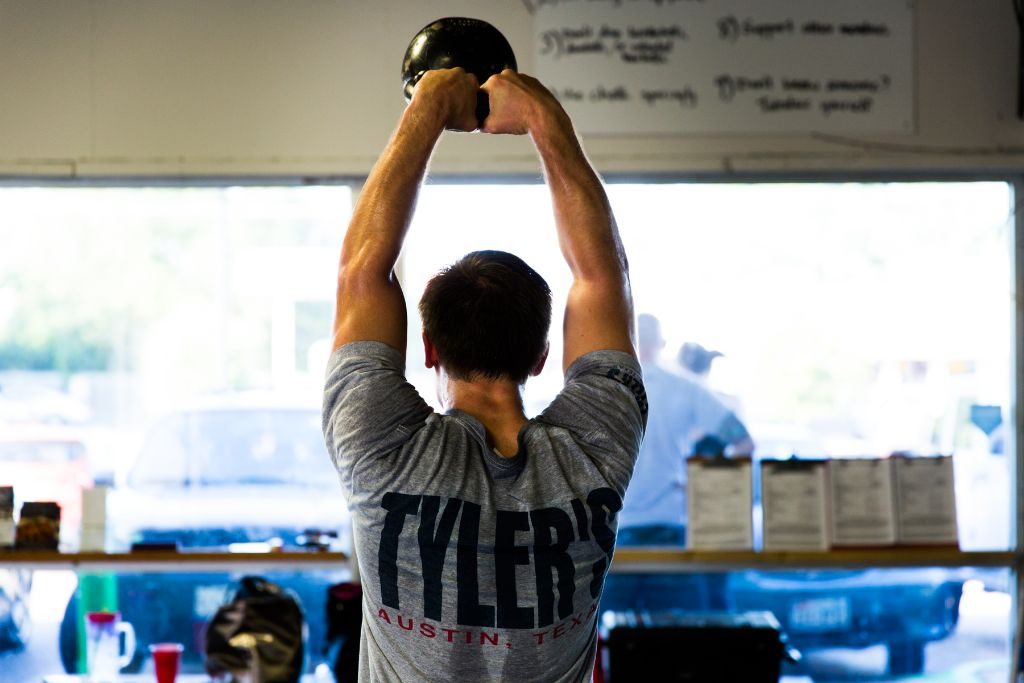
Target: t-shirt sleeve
(369,410)
(604,407)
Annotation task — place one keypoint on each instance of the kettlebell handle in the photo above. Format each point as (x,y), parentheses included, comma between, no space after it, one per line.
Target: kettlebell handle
(483,108)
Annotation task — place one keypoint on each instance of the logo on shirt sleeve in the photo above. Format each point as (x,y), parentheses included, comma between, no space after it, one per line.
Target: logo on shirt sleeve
(632,381)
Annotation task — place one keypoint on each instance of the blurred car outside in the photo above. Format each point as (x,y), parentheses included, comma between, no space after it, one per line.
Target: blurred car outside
(48,463)
(903,609)
(230,469)
(25,400)
(15,623)
(43,462)
(231,473)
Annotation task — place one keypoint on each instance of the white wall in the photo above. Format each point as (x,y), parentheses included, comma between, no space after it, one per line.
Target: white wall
(311,87)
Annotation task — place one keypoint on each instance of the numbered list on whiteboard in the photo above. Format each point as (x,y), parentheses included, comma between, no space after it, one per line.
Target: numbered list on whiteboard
(728,66)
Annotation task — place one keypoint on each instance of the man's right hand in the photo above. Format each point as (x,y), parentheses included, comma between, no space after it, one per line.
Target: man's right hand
(450,95)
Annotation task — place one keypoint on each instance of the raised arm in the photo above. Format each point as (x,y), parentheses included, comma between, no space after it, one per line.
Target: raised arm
(599,309)
(370,305)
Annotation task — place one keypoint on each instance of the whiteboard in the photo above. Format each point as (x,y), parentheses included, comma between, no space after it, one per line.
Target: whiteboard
(728,66)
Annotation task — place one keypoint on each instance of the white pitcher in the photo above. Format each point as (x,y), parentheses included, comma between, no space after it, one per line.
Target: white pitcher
(104,659)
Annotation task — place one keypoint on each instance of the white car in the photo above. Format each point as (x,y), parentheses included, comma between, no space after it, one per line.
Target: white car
(232,469)
(229,472)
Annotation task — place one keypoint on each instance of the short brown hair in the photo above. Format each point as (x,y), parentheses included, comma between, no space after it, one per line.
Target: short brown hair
(488,315)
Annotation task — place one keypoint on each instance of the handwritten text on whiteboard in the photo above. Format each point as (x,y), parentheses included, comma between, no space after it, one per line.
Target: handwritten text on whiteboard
(735,66)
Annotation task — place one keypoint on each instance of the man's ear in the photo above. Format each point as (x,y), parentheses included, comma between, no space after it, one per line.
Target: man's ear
(543,359)
(429,352)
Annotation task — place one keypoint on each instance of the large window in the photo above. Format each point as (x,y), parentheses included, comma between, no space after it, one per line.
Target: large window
(854,320)
(172,342)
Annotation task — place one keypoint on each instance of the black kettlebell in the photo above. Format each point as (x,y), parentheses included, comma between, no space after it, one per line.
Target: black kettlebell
(473,44)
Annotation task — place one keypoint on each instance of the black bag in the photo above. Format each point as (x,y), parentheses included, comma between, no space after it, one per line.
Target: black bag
(258,636)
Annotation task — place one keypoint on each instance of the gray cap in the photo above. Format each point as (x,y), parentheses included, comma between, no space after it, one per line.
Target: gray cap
(696,358)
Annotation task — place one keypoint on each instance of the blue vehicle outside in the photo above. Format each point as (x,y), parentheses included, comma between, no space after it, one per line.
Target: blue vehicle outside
(904,609)
(15,625)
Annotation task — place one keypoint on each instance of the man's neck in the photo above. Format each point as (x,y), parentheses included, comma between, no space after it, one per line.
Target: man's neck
(497,404)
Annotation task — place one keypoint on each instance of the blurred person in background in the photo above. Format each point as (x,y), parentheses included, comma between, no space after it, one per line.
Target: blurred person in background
(685,418)
(696,360)
(696,363)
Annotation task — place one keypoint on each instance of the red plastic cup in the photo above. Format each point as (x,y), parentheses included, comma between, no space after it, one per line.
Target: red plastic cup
(166,660)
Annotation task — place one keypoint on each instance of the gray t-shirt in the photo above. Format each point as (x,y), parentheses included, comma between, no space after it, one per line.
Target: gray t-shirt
(477,567)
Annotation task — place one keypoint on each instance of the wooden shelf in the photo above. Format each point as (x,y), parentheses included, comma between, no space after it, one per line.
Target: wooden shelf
(671,560)
(162,560)
(626,560)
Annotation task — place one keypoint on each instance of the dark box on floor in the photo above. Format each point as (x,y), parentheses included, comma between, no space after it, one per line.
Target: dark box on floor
(676,646)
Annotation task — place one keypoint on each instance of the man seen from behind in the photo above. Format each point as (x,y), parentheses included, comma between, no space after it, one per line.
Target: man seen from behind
(483,536)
